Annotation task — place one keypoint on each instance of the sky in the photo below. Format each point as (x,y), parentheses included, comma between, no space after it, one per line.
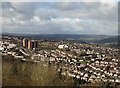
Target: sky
(60,17)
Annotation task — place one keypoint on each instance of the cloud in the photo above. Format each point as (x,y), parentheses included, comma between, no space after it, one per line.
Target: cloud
(60,17)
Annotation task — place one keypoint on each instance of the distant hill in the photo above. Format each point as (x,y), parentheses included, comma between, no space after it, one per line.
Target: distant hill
(111,40)
(84,38)
(60,36)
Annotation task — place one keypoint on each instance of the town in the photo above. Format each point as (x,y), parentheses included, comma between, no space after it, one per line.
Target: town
(87,62)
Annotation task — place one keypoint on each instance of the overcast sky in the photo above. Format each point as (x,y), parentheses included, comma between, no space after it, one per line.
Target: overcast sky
(60,17)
